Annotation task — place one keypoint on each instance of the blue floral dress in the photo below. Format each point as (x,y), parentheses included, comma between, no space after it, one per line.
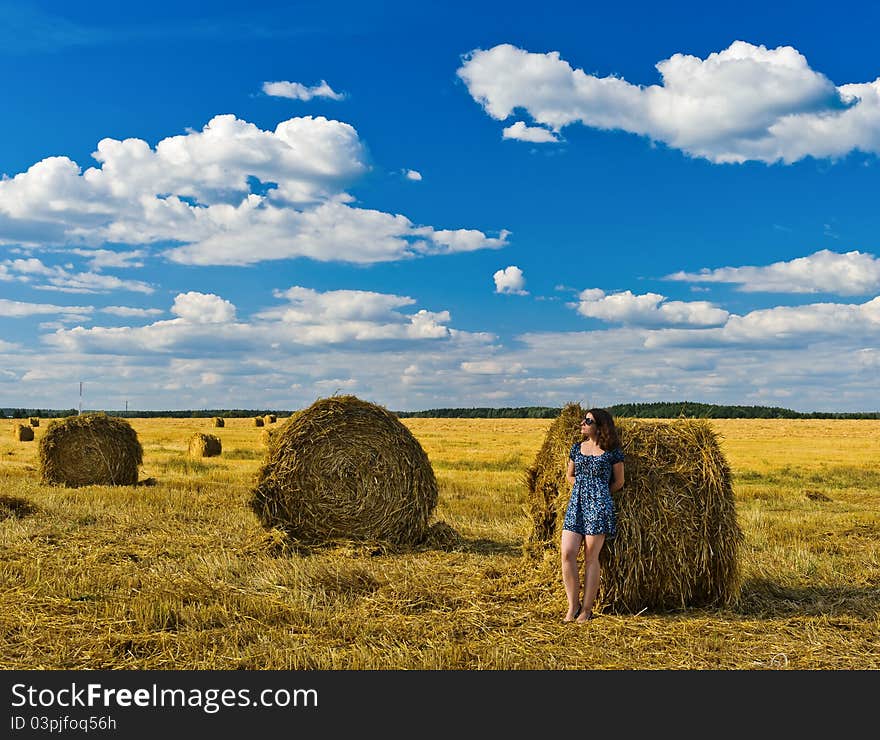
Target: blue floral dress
(591,508)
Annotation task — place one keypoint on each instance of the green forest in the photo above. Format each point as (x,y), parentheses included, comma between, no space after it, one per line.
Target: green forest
(655,410)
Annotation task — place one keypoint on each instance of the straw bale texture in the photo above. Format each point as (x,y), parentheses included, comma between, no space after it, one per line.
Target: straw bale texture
(92,449)
(678,538)
(346,468)
(34,421)
(218,421)
(22,432)
(204,445)
(266,435)
(258,421)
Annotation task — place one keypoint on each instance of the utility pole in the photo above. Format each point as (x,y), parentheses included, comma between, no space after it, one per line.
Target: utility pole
(80,398)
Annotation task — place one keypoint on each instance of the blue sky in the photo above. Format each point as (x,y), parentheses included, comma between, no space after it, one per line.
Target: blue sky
(439,204)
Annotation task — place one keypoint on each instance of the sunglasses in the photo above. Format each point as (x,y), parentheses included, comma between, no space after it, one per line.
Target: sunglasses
(588,422)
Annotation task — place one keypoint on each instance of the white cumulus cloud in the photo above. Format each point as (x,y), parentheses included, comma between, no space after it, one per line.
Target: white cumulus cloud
(298,91)
(745,102)
(203,308)
(851,273)
(510,280)
(534,134)
(647,309)
(413,175)
(230,194)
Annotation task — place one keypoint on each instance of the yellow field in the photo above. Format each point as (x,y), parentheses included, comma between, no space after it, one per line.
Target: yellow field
(180,574)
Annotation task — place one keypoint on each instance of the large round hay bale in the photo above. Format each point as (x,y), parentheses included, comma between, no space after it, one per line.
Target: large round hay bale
(270,418)
(346,469)
(217,421)
(34,421)
(204,445)
(678,538)
(22,432)
(258,421)
(92,449)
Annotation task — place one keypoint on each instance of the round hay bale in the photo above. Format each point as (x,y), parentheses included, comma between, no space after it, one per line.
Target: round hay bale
(258,421)
(92,449)
(270,418)
(678,538)
(34,421)
(346,469)
(266,435)
(22,432)
(217,421)
(204,445)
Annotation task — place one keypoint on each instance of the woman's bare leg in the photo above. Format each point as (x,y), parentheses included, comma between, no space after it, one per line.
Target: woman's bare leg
(592,547)
(569,547)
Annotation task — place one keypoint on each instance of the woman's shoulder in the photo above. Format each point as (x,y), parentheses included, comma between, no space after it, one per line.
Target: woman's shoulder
(576,447)
(616,454)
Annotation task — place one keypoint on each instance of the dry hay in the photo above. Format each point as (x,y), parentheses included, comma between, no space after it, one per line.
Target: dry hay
(217,421)
(15,507)
(22,432)
(258,421)
(346,469)
(204,445)
(266,436)
(270,418)
(34,421)
(677,537)
(92,449)
(442,536)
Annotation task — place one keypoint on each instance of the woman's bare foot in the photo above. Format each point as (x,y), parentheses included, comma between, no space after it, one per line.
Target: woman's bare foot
(584,618)
(572,614)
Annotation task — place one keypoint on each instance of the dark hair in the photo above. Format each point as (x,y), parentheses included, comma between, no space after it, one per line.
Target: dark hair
(606,432)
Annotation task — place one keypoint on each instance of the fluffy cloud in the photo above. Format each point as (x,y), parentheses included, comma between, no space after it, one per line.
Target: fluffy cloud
(743,103)
(852,273)
(207,323)
(648,309)
(413,175)
(510,280)
(230,194)
(785,326)
(298,91)
(203,308)
(535,134)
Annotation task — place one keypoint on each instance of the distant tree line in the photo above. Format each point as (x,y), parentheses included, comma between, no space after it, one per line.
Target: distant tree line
(521,412)
(177,414)
(657,410)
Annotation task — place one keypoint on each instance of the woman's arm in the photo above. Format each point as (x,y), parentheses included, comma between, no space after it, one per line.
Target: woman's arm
(617,477)
(569,473)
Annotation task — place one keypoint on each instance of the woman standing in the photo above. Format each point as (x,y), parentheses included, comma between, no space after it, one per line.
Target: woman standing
(595,471)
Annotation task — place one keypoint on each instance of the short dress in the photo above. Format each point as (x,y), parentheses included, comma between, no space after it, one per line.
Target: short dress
(591,508)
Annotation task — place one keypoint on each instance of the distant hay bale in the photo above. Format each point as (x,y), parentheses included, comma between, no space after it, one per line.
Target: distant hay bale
(204,445)
(270,418)
(22,432)
(92,449)
(267,434)
(218,421)
(678,539)
(34,421)
(258,421)
(346,469)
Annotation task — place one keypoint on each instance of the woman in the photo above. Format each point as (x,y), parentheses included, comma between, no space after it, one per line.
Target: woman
(595,471)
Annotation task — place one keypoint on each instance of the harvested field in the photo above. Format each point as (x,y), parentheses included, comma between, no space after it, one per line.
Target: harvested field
(181,575)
